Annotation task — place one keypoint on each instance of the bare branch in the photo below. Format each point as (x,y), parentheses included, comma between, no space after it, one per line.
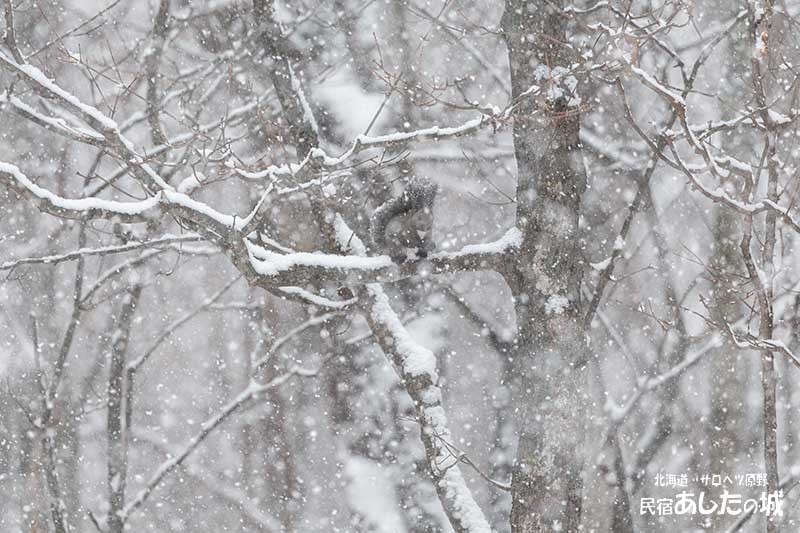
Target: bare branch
(10,37)
(252,392)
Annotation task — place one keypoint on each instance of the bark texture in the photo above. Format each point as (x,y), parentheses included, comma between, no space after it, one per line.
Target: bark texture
(550,352)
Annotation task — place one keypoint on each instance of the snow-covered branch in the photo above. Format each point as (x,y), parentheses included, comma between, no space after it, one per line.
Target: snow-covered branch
(319,157)
(416,367)
(750,341)
(82,208)
(56,125)
(297,268)
(101,251)
(718,166)
(97,120)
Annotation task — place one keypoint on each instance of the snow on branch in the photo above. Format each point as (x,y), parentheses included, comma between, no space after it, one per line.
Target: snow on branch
(719,167)
(416,367)
(101,251)
(315,299)
(92,116)
(82,208)
(265,267)
(297,268)
(511,240)
(270,263)
(318,157)
(57,125)
(749,341)
(74,208)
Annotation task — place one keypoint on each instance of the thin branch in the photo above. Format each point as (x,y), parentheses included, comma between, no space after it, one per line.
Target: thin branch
(291,334)
(101,251)
(252,392)
(167,332)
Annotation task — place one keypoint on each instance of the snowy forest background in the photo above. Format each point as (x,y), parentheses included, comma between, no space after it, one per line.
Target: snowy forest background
(199,335)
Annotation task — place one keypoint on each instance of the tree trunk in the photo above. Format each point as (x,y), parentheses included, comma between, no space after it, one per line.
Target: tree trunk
(727,443)
(116,428)
(550,354)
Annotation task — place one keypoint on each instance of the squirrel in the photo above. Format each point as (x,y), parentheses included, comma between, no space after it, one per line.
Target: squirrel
(401,226)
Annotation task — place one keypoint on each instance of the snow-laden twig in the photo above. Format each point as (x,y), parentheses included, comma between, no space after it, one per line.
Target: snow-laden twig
(231,118)
(749,341)
(74,208)
(511,240)
(101,251)
(97,120)
(56,125)
(365,142)
(316,299)
(83,208)
(318,157)
(268,263)
(717,166)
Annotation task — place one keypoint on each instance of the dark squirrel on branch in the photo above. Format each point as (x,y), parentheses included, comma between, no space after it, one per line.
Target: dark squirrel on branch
(401,226)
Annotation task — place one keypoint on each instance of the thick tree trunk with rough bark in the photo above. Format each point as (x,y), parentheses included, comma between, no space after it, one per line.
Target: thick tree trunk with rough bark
(550,349)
